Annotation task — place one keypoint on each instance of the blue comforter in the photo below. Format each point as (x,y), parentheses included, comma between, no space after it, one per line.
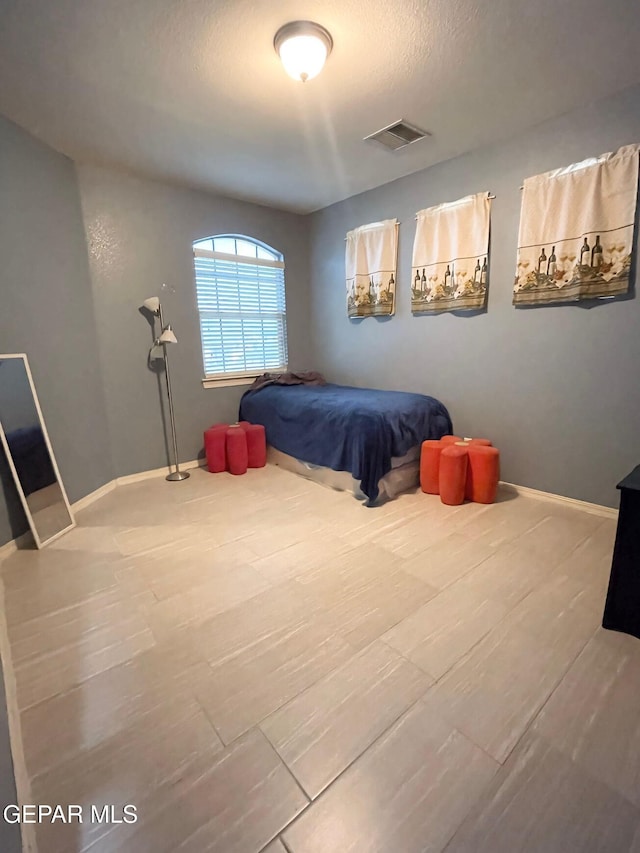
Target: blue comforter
(347,429)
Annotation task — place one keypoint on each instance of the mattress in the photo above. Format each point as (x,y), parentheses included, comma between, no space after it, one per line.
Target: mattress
(403,476)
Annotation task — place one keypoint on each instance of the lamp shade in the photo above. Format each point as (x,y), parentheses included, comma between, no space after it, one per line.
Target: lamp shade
(152,304)
(167,336)
(303,48)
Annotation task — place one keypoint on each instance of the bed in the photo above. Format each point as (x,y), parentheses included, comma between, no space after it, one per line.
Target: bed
(362,431)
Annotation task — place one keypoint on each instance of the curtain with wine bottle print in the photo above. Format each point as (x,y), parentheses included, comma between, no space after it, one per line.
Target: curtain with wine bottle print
(450,256)
(576,231)
(370,261)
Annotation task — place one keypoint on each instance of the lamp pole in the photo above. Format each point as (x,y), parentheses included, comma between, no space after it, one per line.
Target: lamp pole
(177,474)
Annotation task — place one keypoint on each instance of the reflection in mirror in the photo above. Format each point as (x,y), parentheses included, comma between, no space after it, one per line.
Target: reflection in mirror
(26,443)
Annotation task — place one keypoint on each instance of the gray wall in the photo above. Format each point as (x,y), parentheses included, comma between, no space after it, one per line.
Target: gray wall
(46,311)
(140,234)
(556,388)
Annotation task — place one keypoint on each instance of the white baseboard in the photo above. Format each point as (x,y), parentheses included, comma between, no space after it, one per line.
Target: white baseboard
(140,476)
(158,472)
(134,478)
(93,496)
(13,544)
(585,506)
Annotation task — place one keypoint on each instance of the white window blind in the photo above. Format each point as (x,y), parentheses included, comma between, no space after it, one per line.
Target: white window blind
(241,301)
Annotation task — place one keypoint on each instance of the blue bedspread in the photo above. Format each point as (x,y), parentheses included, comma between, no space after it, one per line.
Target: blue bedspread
(347,429)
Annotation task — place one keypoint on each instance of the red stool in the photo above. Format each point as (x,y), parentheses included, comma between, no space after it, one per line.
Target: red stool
(450,439)
(256,445)
(430,465)
(215,448)
(453,474)
(244,424)
(483,474)
(237,454)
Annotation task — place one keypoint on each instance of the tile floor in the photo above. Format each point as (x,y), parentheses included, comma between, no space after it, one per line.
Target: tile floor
(261,664)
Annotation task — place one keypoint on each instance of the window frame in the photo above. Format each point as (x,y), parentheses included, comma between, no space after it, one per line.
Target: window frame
(221,380)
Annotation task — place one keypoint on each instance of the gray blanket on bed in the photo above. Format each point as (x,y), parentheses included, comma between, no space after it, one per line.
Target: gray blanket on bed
(304,377)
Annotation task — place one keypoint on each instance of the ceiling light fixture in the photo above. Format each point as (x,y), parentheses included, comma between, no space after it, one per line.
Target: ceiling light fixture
(303,48)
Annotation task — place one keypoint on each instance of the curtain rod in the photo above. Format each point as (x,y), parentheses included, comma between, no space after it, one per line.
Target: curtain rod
(453,203)
(398,223)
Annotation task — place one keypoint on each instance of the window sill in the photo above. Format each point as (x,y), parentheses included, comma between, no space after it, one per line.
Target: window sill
(228,383)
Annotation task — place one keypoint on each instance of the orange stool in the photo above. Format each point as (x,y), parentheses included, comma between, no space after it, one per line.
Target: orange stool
(215,448)
(256,444)
(453,474)
(464,442)
(237,453)
(483,473)
(450,439)
(430,465)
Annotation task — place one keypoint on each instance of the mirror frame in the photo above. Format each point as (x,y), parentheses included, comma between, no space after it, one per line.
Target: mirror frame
(3,439)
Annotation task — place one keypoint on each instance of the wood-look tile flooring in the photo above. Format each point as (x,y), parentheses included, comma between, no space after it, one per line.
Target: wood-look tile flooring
(261,664)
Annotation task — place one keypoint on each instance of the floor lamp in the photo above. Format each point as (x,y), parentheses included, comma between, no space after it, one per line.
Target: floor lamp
(167,336)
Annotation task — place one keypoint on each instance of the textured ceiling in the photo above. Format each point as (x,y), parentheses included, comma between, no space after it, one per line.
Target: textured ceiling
(192,90)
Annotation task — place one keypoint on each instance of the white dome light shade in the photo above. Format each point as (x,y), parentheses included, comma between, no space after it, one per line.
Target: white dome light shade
(168,336)
(303,57)
(303,48)
(152,304)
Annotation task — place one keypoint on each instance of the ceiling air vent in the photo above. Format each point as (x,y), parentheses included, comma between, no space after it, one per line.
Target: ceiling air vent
(397,135)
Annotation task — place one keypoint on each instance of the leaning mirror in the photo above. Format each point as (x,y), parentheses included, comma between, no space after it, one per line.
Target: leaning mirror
(26,443)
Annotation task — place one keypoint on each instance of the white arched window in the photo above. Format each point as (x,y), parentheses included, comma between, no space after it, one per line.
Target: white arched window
(241,302)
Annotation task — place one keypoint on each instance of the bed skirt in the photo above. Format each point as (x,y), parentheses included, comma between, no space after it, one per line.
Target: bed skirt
(404,474)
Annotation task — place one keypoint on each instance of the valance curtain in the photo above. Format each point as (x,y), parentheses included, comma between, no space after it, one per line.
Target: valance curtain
(450,256)
(576,231)
(370,262)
